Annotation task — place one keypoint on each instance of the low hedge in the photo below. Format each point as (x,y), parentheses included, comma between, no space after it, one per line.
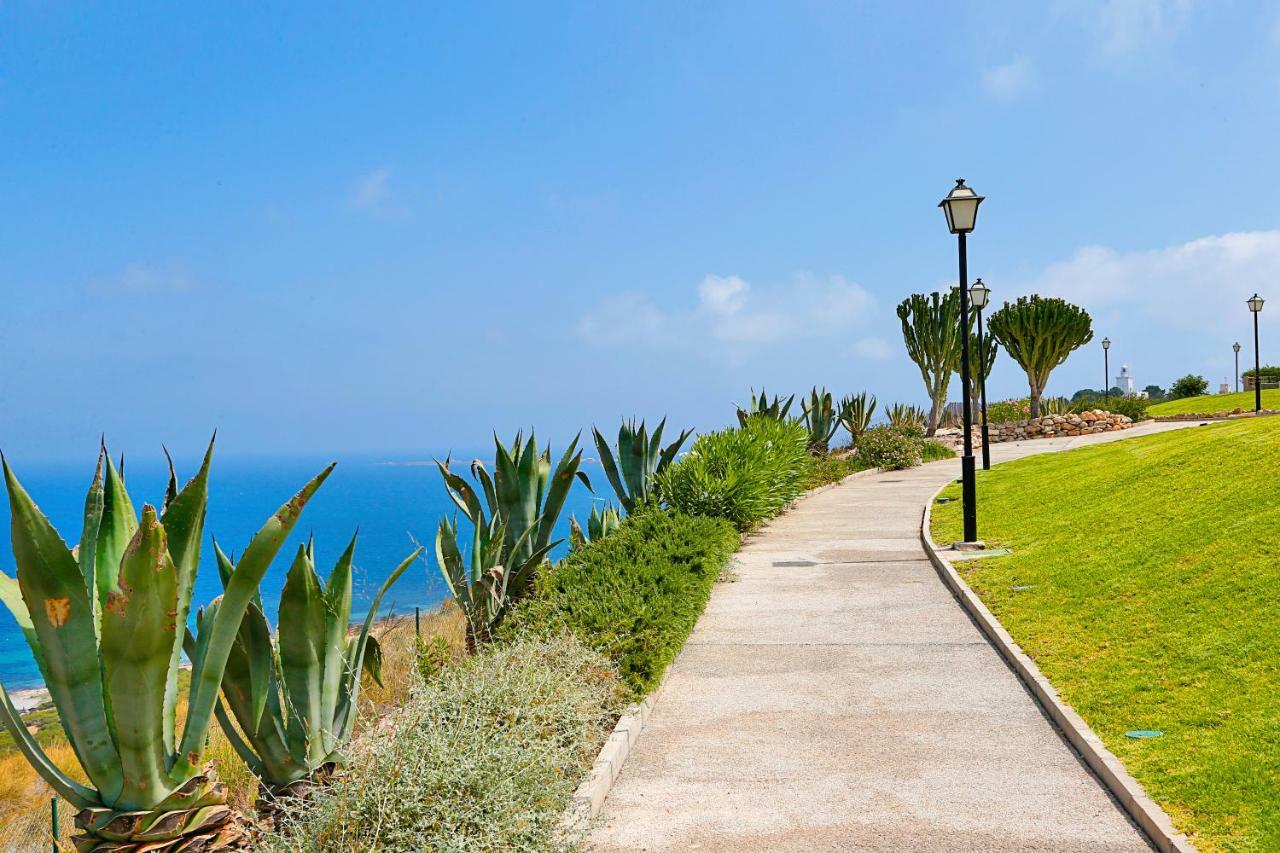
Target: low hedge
(634,595)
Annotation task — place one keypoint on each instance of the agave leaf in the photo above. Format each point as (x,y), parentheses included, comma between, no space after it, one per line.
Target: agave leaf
(610,466)
(214,645)
(88,552)
(171,490)
(557,492)
(246,752)
(301,641)
(486,483)
(119,523)
(337,599)
(11,595)
(50,579)
(373,660)
(460,491)
(66,787)
(345,718)
(183,522)
(631,458)
(138,635)
(669,454)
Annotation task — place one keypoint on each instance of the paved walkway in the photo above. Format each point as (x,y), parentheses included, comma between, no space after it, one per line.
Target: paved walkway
(836,697)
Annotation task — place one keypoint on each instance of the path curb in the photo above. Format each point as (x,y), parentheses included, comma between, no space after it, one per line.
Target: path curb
(1144,811)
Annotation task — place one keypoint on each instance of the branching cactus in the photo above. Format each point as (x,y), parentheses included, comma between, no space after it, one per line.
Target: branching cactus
(106,623)
(821,418)
(932,334)
(640,458)
(776,409)
(855,414)
(1039,333)
(296,700)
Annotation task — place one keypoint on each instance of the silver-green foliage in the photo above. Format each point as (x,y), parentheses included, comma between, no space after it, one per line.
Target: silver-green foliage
(639,459)
(821,418)
(296,700)
(106,624)
(745,474)
(484,758)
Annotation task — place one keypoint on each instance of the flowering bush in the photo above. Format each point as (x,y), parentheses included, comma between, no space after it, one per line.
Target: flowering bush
(1009,410)
(886,447)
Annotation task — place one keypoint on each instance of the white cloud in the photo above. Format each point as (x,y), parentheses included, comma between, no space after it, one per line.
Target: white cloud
(873,349)
(372,192)
(1123,28)
(1011,80)
(147,278)
(732,314)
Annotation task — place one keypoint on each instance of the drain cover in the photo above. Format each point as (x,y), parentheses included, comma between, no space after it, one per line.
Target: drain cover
(1142,734)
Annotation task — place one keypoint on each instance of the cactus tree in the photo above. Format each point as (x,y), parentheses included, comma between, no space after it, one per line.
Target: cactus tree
(106,624)
(1039,333)
(931,332)
(981,360)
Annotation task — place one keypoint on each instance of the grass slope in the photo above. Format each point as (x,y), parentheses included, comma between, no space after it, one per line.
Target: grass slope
(1145,582)
(1210,403)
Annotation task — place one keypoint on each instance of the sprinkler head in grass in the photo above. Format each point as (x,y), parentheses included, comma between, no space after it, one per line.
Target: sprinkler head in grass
(1144,734)
(945,500)
(1023,588)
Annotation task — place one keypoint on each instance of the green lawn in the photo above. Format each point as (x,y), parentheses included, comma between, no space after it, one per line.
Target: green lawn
(1215,403)
(1145,582)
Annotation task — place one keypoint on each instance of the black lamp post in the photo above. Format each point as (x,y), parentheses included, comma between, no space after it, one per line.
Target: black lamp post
(1236,347)
(978,296)
(1106,370)
(961,208)
(1255,306)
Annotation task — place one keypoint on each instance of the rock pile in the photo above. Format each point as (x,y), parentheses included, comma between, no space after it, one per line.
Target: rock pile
(1047,426)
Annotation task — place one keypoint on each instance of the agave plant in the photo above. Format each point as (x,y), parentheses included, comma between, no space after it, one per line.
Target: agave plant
(903,416)
(599,525)
(855,414)
(106,625)
(640,459)
(486,590)
(821,419)
(296,700)
(777,409)
(524,495)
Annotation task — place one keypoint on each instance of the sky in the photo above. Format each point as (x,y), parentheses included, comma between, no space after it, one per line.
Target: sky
(392,229)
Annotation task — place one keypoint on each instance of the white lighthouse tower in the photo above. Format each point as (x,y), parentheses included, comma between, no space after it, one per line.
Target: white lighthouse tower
(1125,381)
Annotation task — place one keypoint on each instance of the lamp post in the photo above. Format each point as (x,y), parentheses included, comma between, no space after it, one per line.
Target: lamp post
(1236,347)
(1106,371)
(1255,306)
(961,209)
(978,296)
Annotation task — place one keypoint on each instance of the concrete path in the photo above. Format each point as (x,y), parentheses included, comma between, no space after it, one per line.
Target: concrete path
(836,697)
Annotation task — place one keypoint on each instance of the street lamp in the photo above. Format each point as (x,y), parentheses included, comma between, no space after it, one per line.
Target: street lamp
(1255,306)
(1236,347)
(978,296)
(961,208)
(1106,371)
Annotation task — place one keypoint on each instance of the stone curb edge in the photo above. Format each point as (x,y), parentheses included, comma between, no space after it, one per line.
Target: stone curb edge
(588,800)
(1144,811)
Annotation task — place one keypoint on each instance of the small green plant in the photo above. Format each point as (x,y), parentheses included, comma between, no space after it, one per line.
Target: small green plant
(431,657)
(524,497)
(855,414)
(486,590)
(776,409)
(1007,411)
(889,448)
(295,700)
(904,416)
(1055,406)
(599,525)
(821,418)
(1188,386)
(745,475)
(932,450)
(633,470)
(106,625)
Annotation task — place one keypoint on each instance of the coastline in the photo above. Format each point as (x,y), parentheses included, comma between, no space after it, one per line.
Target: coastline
(29,699)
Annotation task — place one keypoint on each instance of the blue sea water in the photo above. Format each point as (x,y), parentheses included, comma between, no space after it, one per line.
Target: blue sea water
(393,503)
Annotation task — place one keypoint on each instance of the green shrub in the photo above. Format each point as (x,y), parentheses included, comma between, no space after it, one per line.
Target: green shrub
(486,758)
(634,595)
(889,448)
(1005,411)
(1270,373)
(745,474)
(1188,386)
(828,469)
(932,450)
(1132,407)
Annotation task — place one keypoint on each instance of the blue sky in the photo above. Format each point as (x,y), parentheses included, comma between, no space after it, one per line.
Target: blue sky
(391,229)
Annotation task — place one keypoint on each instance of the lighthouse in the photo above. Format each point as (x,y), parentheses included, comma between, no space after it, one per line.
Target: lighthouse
(1125,381)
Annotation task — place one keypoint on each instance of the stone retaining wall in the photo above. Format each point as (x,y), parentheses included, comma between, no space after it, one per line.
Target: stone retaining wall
(1237,412)
(1047,426)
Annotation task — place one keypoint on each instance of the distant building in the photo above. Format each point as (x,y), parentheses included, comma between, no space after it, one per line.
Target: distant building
(1224,388)
(1125,381)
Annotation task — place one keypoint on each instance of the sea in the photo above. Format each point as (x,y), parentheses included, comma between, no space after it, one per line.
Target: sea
(394,504)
